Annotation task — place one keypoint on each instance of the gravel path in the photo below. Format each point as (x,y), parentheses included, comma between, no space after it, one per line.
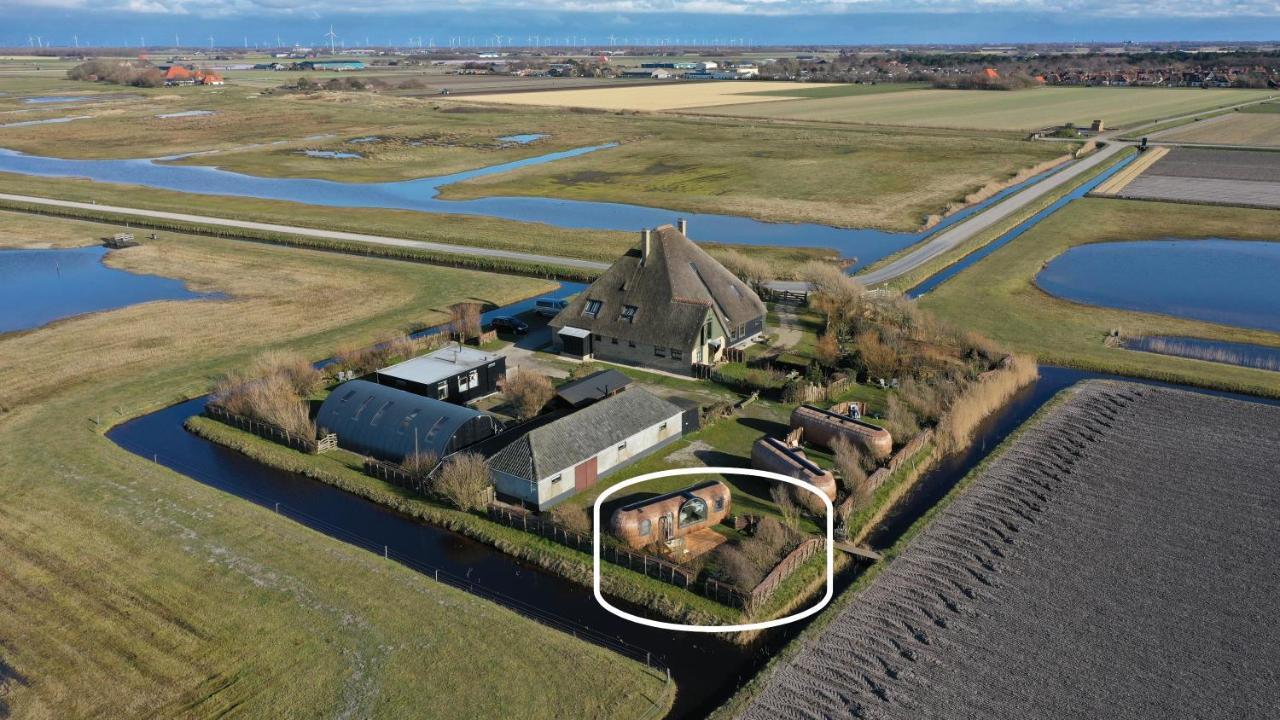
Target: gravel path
(1116,562)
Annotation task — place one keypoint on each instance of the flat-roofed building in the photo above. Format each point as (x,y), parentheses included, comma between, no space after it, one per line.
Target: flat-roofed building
(457,374)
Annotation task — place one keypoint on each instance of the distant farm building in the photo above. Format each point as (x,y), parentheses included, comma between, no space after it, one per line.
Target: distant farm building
(562,455)
(390,424)
(655,73)
(991,73)
(457,374)
(180,75)
(665,304)
(331,65)
(592,388)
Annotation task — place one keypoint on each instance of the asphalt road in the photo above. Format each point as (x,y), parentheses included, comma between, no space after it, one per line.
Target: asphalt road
(962,232)
(316,233)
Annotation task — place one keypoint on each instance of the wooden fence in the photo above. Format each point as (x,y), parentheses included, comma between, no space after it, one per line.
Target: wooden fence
(882,475)
(782,571)
(789,297)
(272,432)
(644,563)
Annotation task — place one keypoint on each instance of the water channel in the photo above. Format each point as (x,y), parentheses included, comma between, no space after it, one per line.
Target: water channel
(866,245)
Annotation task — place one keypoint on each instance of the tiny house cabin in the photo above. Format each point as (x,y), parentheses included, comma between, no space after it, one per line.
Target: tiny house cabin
(822,427)
(456,374)
(774,455)
(671,516)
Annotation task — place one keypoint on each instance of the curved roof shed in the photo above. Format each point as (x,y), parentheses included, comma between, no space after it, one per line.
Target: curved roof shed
(390,424)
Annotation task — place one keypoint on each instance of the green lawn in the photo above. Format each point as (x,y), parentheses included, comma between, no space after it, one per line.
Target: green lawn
(1021,110)
(132,590)
(998,298)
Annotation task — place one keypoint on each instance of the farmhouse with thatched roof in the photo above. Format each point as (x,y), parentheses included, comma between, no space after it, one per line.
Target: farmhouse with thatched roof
(665,304)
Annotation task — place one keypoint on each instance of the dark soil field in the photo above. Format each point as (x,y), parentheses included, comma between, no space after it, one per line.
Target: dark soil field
(1250,178)
(1116,561)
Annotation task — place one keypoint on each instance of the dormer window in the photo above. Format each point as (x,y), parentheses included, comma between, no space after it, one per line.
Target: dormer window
(593,308)
(629,312)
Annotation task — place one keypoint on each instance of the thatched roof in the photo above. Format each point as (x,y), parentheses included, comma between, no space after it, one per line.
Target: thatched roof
(671,292)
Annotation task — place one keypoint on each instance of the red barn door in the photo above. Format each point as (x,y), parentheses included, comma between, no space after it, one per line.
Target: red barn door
(584,475)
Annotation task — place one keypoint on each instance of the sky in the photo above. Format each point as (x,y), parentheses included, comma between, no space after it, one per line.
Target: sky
(588,22)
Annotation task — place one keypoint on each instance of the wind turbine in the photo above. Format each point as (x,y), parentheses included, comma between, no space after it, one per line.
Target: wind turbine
(332,36)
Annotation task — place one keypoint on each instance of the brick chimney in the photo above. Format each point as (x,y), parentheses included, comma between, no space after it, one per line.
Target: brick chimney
(683,226)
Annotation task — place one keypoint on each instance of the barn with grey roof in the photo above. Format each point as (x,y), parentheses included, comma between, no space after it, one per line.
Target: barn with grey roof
(665,304)
(559,458)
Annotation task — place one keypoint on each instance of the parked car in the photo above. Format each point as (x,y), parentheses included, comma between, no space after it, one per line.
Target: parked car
(506,323)
(550,307)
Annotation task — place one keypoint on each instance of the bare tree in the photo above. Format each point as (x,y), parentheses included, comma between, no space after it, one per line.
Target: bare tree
(463,479)
(528,391)
(420,463)
(464,318)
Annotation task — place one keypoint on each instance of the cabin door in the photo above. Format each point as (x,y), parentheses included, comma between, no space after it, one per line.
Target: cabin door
(584,475)
(664,527)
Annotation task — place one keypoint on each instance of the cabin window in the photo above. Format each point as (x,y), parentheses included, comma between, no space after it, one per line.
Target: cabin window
(442,389)
(659,351)
(693,512)
(435,429)
(360,409)
(646,527)
(474,377)
(631,343)
(719,503)
(622,446)
(675,353)
(404,424)
(598,338)
(613,340)
(373,421)
(347,395)
(662,427)
(706,329)
(629,312)
(593,308)
(557,478)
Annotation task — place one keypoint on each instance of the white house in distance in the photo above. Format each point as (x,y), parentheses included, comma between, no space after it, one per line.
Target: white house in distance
(557,459)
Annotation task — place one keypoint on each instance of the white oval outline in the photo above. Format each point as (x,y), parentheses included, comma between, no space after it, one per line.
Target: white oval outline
(595,556)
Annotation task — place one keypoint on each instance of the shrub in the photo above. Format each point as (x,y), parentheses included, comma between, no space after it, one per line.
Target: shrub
(573,517)
(272,389)
(463,480)
(464,319)
(420,464)
(786,506)
(528,392)
(827,349)
(899,420)
(852,464)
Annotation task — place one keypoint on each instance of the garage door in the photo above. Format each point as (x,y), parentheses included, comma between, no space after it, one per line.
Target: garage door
(584,476)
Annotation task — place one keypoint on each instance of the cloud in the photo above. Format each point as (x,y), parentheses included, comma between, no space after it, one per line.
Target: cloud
(622,8)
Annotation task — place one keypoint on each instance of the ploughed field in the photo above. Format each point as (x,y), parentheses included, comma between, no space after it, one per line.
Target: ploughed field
(1114,561)
(1205,175)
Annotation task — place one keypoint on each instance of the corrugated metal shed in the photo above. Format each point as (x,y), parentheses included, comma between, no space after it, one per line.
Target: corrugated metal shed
(389,424)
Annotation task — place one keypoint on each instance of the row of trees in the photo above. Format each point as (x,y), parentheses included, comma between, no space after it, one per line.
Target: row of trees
(118,72)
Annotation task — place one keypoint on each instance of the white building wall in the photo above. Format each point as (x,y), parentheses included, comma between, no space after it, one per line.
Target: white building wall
(611,457)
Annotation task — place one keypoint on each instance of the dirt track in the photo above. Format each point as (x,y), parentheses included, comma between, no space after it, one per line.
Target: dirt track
(1117,561)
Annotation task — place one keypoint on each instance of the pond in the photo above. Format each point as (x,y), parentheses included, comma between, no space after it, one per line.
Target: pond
(1261,357)
(55,99)
(524,139)
(1232,282)
(40,286)
(186,113)
(332,154)
(48,121)
(421,195)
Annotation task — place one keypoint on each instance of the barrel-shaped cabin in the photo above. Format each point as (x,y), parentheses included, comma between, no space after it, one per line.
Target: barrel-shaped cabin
(774,455)
(670,516)
(822,427)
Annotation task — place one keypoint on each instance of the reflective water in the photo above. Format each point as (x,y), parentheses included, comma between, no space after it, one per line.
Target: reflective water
(864,244)
(522,139)
(54,99)
(1232,282)
(332,154)
(40,286)
(186,113)
(49,121)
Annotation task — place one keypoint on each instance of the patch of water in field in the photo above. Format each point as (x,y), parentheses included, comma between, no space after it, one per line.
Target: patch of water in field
(866,245)
(55,99)
(185,114)
(49,121)
(331,154)
(1261,357)
(40,286)
(524,139)
(1232,282)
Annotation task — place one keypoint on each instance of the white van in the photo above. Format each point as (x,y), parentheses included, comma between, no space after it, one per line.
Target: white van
(549,307)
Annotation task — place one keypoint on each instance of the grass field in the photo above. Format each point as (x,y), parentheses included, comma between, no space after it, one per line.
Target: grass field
(998,298)
(840,90)
(844,176)
(1261,129)
(649,98)
(993,110)
(132,590)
